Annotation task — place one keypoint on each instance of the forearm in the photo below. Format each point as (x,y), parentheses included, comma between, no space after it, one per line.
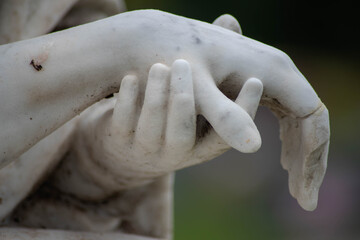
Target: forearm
(48,80)
(33,166)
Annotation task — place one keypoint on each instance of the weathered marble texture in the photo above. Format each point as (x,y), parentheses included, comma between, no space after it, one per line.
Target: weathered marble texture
(61,74)
(24,19)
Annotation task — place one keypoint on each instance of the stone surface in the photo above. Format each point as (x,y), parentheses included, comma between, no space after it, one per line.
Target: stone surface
(188,91)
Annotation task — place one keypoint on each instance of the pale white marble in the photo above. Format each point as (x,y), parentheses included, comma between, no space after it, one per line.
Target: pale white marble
(120,151)
(24,19)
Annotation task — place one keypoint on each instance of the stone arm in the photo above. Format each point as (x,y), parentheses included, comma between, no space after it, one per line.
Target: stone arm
(37,163)
(127,144)
(119,159)
(60,74)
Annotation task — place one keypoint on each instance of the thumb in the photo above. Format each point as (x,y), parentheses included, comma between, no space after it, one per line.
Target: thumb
(230,121)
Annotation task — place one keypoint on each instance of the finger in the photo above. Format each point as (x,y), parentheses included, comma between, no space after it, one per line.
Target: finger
(125,107)
(229,22)
(248,99)
(229,120)
(181,121)
(305,146)
(249,96)
(149,133)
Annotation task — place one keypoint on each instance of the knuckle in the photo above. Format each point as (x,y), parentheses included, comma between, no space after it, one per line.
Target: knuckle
(154,106)
(281,57)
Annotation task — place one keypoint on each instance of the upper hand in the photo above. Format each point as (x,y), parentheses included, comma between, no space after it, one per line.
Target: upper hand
(225,59)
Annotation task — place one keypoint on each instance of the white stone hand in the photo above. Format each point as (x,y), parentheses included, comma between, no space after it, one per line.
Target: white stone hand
(74,76)
(137,142)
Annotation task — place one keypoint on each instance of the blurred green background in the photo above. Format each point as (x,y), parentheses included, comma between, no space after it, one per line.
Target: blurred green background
(245,196)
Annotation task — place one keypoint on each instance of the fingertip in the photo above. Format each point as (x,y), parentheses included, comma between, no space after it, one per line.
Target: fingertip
(255,85)
(159,70)
(181,78)
(159,66)
(308,204)
(249,142)
(182,64)
(229,22)
(129,88)
(181,67)
(129,80)
(245,138)
(236,127)
(252,142)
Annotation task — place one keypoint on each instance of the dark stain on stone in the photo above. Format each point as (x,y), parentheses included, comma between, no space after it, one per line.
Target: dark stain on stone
(109,96)
(36,66)
(196,39)
(202,127)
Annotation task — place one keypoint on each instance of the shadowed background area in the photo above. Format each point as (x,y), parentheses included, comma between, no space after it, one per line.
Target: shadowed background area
(245,196)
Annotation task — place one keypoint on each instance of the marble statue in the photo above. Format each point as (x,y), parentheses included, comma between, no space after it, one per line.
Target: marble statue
(96,118)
